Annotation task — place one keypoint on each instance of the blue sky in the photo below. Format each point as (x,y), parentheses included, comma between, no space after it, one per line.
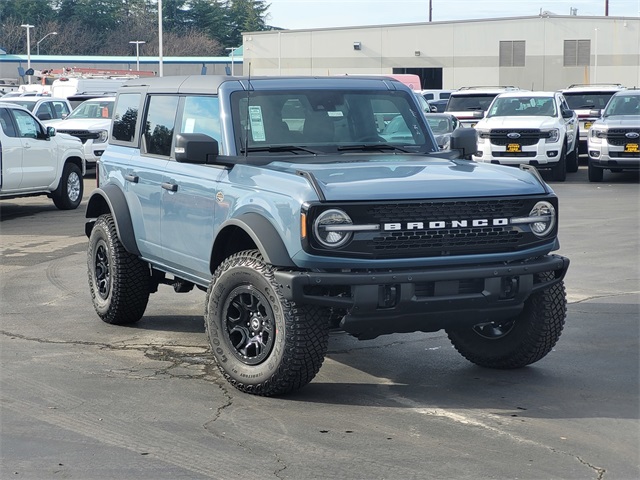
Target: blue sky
(293,14)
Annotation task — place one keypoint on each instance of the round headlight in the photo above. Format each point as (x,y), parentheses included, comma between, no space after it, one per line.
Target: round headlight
(545,218)
(332,228)
(103,136)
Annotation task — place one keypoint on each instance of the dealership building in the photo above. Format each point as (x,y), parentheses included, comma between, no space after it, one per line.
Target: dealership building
(545,52)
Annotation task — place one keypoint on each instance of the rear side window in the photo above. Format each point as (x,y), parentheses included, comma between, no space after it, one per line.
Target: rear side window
(126,115)
(159,124)
(6,123)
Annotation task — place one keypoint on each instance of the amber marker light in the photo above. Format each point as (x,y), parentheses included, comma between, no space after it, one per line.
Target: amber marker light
(303,225)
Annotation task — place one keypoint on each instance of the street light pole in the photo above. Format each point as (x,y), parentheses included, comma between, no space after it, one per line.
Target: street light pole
(138,43)
(28,27)
(38,44)
(233,49)
(160,73)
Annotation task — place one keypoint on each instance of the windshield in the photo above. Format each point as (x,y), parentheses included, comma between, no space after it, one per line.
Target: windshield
(523,106)
(93,109)
(328,121)
(588,100)
(623,105)
(459,103)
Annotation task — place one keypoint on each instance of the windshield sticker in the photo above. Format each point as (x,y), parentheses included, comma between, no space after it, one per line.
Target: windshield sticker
(257,123)
(335,113)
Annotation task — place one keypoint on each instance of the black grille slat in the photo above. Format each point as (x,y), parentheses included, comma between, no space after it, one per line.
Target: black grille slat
(528,136)
(616,136)
(83,135)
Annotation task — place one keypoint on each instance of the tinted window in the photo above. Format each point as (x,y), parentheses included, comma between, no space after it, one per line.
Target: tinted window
(201,115)
(159,124)
(124,122)
(6,123)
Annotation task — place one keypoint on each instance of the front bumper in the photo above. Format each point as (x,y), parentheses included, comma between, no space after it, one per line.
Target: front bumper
(604,155)
(541,154)
(379,303)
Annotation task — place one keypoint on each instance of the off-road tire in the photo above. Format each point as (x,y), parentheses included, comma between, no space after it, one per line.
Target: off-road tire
(559,170)
(118,280)
(68,195)
(526,339)
(244,303)
(595,174)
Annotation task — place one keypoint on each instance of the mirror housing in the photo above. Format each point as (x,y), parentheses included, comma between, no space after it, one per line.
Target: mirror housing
(567,113)
(196,148)
(477,114)
(51,131)
(465,140)
(595,113)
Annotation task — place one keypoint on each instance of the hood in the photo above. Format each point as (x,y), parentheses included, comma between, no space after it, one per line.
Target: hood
(518,122)
(398,177)
(617,121)
(82,124)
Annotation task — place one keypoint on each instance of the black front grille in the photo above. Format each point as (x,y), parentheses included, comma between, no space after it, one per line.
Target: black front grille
(617,136)
(624,154)
(528,136)
(514,154)
(433,228)
(83,135)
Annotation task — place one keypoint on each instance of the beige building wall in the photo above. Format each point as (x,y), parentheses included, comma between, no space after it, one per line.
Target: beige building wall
(467,51)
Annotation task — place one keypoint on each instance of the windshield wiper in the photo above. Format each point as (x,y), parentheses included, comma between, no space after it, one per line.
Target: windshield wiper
(372,147)
(280,148)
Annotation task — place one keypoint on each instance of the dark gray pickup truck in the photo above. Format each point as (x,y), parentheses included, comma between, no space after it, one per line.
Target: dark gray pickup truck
(293,206)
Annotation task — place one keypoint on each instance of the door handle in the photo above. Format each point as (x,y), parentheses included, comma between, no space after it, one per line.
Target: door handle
(131,178)
(172,187)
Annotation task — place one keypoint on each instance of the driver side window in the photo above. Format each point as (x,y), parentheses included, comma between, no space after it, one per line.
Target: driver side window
(28,127)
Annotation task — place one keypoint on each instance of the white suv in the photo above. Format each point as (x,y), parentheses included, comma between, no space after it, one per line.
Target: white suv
(614,139)
(535,128)
(468,104)
(90,122)
(583,99)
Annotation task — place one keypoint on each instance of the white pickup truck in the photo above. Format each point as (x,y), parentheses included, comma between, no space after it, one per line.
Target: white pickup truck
(36,161)
(534,128)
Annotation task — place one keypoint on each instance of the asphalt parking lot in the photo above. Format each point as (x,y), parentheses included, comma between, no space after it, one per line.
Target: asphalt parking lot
(81,399)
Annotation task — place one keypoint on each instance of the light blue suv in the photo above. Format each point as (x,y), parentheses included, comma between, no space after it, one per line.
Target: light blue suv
(279,198)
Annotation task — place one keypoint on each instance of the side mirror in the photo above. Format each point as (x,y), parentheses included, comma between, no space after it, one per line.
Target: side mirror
(567,113)
(477,114)
(465,140)
(51,131)
(44,116)
(195,148)
(595,113)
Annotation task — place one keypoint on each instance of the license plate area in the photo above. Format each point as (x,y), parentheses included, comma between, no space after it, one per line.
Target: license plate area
(631,148)
(514,148)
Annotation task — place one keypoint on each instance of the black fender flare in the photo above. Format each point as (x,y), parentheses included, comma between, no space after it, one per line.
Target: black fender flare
(264,235)
(111,199)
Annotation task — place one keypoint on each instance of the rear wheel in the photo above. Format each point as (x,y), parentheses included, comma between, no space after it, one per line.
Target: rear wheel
(518,341)
(263,344)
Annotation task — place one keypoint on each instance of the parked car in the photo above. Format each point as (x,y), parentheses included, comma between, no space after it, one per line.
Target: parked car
(614,138)
(533,128)
(584,99)
(436,94)
(443,125)
(34,160)
(45,108)
(90,122)
(468,104)
(437,106)
(279,198)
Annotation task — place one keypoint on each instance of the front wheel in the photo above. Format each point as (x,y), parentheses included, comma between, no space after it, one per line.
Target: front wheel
(560,168)
(118,280)
(518,341)
(262,343)
(572,158)
(68,195)
(595,174)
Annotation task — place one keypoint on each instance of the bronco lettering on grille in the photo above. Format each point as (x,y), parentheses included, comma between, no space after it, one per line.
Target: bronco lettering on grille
(434,225)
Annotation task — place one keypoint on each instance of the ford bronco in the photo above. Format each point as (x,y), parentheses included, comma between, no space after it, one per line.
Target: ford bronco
(279,197)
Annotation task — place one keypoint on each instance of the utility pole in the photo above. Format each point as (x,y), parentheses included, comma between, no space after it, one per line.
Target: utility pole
(430,10)
(606,8)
